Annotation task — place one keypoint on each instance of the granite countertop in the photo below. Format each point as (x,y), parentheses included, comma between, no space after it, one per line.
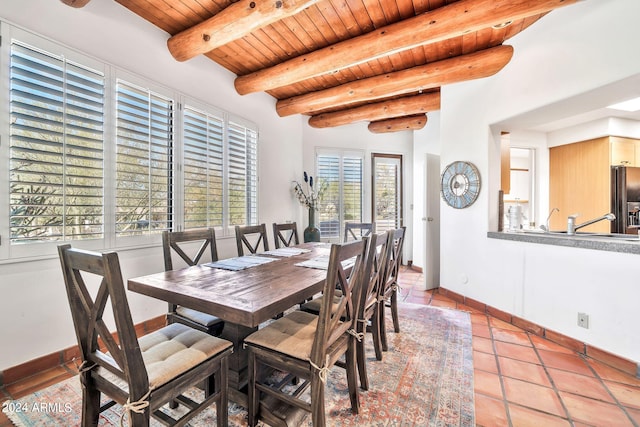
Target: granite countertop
(601,242)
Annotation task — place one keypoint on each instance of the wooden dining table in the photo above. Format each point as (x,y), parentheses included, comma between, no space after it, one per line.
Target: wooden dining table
(244,299)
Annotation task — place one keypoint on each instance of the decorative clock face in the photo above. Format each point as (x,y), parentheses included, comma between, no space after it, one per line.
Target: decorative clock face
(460,184)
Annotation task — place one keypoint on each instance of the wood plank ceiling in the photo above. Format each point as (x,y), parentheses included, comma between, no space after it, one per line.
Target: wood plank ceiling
(343,61)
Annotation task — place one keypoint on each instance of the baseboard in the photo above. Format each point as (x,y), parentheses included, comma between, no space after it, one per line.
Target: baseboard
(620,363)
(50,361)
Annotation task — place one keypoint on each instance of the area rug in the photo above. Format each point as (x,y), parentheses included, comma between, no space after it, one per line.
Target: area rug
(425,379)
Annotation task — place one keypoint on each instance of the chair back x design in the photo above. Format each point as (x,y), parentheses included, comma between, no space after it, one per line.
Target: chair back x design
(285,234)
(306,345)
(248,232)
(357,230)
(174,243)
(178,357)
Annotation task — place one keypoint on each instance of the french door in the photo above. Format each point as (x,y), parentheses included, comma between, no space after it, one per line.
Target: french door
(386,200)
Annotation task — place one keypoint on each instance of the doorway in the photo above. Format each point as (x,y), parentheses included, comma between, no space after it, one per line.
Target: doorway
(386,200)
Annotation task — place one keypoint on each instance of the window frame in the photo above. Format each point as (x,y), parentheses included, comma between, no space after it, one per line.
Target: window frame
(11,252)
(341,154)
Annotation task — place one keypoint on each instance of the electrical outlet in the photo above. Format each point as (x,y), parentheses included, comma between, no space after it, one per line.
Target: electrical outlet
(583,320)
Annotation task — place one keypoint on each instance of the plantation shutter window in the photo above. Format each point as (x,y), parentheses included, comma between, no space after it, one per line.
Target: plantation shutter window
(144,144)
(342,199)
(242,186)
(56,176)
(203,169)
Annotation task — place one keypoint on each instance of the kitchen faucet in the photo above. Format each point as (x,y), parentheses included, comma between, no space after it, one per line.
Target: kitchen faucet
(546,227)
(572,227)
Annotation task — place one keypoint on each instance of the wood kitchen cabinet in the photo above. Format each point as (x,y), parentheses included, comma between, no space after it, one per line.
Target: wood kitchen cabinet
(624,151)
(580,178)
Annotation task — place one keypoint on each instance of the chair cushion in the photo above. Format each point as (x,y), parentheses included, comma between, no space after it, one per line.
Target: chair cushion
(175,349)
(198,317)
(313,306)
(292,335)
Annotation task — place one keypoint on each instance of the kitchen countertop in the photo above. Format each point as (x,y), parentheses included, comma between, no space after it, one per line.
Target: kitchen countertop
(602,242)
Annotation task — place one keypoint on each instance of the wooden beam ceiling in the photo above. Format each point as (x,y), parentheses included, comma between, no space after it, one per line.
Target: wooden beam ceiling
(461,68)
(399,124)
(447,22)
(405,106)
(233,23)
(346,61)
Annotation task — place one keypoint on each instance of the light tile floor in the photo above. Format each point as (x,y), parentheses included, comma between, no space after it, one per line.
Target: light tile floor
(520,379)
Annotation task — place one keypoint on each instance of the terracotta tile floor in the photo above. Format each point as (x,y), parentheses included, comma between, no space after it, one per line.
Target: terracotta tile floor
(520,379)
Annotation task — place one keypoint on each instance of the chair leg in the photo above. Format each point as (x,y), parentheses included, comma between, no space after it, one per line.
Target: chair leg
(383,328)
(394,310)
(90,401)
(352,375)
(375,333)
(317,400)
(361,357)
(222,387)
(253,398)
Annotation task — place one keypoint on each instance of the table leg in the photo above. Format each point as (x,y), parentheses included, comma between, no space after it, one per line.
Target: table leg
(238,361)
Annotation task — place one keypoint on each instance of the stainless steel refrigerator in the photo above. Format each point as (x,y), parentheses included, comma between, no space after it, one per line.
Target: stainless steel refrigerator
(625,199)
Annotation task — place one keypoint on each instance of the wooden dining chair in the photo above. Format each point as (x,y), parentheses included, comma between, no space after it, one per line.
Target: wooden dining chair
(174,243)
(141,374)
(285,234)
(244,235)
(389,296)
(357,230)
(368,309)
(306,346)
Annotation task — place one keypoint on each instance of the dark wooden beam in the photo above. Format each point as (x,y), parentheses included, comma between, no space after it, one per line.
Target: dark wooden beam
(232,23)
(453,20)
(408,105)
(398,124)
(461,68)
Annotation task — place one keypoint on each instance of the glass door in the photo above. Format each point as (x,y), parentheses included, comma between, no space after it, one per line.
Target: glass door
(387,191)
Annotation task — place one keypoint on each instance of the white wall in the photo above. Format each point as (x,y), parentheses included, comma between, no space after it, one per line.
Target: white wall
(35,316)
(570,51)
(357,137)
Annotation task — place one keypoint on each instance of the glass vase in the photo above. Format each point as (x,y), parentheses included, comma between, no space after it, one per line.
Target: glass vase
(312,233)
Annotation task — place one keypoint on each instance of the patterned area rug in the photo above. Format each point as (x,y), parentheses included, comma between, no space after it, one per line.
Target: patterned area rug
(425,379)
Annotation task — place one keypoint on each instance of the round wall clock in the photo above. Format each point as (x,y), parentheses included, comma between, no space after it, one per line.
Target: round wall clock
(460,184)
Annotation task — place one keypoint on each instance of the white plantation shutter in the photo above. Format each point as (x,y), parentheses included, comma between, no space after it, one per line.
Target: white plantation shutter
(242,176)
(203,169)
(144,144)
(328,215)
(352,188)
(56,148)
(342,200)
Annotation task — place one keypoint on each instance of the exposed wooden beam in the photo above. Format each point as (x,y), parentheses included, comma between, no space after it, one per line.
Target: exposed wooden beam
(380,110)
(456,19)
(399,123)
(76,3)
(232,23)
(460,68)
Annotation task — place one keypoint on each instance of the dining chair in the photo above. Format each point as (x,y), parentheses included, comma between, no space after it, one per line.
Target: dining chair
(363,229)
(141,374)
(306,346)
(368,309)
(244,235)
(285,234)
(174,243)
(389,296)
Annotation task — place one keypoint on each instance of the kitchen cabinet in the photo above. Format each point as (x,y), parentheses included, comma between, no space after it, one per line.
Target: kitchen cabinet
(623,151)
(580,178)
